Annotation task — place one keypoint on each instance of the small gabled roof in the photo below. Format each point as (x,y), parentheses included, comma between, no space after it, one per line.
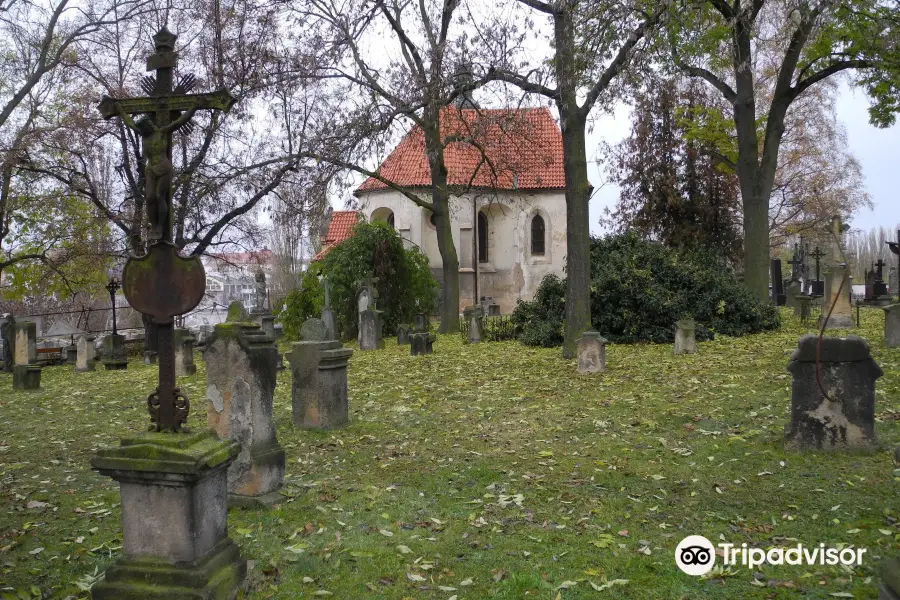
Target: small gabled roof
(339,229)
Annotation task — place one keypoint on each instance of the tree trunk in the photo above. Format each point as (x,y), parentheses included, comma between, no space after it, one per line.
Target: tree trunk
(578,233)
(440,200)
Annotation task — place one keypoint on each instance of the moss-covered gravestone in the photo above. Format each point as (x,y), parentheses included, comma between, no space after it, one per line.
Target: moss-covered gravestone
(318,379)
(237,313)
(26,372)
(421,341)
(240,377)
(685,336)
(173,482)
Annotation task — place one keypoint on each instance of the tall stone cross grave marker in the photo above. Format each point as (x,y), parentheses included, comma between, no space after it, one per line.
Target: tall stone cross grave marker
(172,482)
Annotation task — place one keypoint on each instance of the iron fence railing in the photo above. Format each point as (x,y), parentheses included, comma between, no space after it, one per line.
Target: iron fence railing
(494,329)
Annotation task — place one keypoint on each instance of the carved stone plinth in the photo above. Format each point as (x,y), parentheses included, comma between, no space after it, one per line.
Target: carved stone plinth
(319,384)
(114,353)
(241,362)
(175,544)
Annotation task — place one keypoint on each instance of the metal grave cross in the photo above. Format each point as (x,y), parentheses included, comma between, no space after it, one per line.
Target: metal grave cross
(162,284)
(879,270)
(818,254)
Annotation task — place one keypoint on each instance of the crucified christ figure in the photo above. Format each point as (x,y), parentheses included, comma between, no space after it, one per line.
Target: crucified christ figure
(158,173)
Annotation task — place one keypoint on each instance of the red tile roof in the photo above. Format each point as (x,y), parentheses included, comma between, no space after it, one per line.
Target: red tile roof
(524,148)
(339,229)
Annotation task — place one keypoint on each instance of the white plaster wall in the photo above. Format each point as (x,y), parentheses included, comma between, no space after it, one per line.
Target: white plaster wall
(511,272)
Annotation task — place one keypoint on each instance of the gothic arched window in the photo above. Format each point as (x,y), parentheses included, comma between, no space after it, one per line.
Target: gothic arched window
(482,238)
(537,235)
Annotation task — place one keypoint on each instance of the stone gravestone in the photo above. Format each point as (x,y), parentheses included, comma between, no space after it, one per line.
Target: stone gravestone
(846,417)
(794,289)
(837,283)
(71,353)
(685,337)
(7,342)
(591,352)
(240,376)
(318,379)
(892,326)
(26,372)
(327,313)
(893,281)
(184,353)
(421,341)
(475,320)
(262,315)
(172,482)
(114,358)
(370,337)
(85,359)
(403,331)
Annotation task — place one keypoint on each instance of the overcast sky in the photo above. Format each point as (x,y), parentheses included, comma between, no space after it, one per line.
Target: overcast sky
(878,151)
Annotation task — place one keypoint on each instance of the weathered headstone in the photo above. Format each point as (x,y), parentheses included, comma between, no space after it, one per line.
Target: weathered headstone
(318,379)
(403,331)
(26,372)
(845,418)
(184,353)
(327,313)
(685,337)
(794,289)
(837,282)
(71,354)
(240,375)
(172,483)
(892,326)
(7,342)
(474,319)
(113,357)
(150,357)
(489,307)
(421,341)
(894,281)
(313,330)
(591,352)
(85,360)
(370,336)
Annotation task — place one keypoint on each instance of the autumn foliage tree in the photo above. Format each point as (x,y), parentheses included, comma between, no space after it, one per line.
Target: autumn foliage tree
(674,189)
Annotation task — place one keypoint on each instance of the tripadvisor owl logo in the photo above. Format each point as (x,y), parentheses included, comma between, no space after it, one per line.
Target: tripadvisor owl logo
(695,555)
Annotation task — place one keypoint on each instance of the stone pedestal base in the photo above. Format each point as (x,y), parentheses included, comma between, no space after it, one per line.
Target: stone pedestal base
(216,577)
(174,510)
(319,384)
(26,377)
(843,321)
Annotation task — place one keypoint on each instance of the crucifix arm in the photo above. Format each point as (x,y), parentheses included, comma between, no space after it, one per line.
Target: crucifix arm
(129,122)
(184,118)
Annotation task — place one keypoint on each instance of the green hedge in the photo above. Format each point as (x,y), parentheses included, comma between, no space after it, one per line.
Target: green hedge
(639,289)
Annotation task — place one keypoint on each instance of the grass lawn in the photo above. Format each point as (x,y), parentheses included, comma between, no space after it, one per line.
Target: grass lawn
(486,471)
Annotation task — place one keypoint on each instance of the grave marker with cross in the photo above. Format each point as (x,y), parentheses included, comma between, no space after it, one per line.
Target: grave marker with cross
(795,263)
(163,284)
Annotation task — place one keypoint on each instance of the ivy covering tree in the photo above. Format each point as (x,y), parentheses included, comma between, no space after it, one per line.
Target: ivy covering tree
(639,289)
(405,284)
(673,187)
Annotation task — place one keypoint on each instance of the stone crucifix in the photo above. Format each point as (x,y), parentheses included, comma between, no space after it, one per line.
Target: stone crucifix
(162,284)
